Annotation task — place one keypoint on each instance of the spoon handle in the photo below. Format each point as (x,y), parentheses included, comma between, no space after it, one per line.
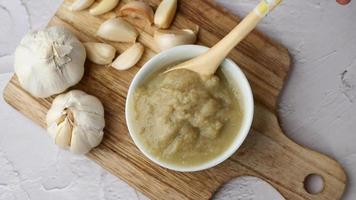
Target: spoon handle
(207,63)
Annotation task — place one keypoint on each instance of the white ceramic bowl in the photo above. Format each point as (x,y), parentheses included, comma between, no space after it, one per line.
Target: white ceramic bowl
(235,77)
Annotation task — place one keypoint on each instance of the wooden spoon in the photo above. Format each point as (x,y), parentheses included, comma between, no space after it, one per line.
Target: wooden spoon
(207,63)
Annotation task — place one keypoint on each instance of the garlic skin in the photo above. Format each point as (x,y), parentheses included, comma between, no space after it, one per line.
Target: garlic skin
(117,30)
(103,6)
(79,5)
(129,58)
(99,53)
(166,39)
(137,9)
(165,13)
(76,121)
(49,61)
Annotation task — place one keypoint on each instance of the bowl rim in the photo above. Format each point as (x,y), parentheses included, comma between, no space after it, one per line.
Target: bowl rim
(248,111)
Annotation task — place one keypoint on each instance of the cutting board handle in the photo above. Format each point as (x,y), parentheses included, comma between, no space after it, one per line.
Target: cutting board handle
(283,163)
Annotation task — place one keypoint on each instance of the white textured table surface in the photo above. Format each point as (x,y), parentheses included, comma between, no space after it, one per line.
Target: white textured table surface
(317,107)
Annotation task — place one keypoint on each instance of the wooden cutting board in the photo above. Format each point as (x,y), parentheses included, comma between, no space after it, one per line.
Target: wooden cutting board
(267,153)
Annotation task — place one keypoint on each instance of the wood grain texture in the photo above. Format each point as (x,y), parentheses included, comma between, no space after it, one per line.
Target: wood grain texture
(267,153)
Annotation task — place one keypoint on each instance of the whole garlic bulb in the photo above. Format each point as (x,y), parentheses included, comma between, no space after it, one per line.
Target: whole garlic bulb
(76,121)
(49,61)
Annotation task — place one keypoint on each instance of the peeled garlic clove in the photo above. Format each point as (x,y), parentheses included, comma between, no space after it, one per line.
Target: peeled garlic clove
(99,53)
(166,39)
(80,5)
(165,13)
(129,58)
(64,134)
(76,121)
(118,30)
(103,7)
(137,9)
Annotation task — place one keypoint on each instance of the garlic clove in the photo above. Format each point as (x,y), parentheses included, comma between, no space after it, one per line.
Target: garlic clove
(103,7)
(99,53)
(57,110)
(195,29)
(91,105)
(137,9)
(80,5)
(79,141)
(165,13)
(166,39)
(93,137)
(129,57)
(95,120)
(64,134)
(118,30)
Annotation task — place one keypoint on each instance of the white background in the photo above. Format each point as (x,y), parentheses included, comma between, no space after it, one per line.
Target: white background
(317,107)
